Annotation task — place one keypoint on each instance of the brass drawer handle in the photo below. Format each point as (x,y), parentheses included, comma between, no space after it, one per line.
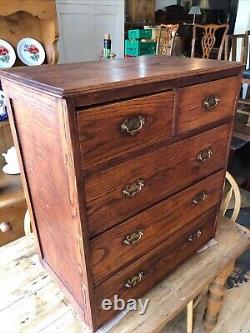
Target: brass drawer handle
(211,102)
(132,190)
(131,126)
(133,238)
(5,227)
(194,236)
(200,197)
(204,155)
(134,280)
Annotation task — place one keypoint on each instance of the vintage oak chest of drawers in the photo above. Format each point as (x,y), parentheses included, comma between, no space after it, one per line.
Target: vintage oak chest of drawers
(123,165)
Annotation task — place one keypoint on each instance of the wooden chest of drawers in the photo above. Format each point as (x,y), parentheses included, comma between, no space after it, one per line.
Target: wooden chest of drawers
(123,165)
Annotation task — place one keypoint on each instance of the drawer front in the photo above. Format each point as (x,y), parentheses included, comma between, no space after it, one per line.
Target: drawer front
(12,223)
(153,267)
(120,192)
(206,103)
(115,248)
(107,132)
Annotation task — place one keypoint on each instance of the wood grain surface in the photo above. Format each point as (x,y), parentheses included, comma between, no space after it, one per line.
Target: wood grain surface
(102,138)
(192,112)
(76,167)
(97,82)
(47,164)
(108,251)
(156,264)
(164,172)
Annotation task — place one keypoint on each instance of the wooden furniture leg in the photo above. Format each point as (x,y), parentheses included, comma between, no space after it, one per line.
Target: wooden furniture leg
(215,298)
(190,311)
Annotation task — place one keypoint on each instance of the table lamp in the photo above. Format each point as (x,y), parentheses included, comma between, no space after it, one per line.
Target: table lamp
(195,10)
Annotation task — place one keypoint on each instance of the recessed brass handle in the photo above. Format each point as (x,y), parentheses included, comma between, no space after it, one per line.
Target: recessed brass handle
(132,282)
(132,126)
(133,238)
(200,197)
(211,102)
(194,236)
(132,190)
(204,155)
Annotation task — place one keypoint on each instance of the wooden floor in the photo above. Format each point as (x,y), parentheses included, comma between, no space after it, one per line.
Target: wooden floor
(234,317)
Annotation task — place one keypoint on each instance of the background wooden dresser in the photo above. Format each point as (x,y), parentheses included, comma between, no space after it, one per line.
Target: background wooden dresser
(123,164)
(16,19)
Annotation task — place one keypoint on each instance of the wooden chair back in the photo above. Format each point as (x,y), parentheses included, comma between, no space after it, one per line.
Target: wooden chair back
(232,43)
(208,39)
(231,194)
(166,37)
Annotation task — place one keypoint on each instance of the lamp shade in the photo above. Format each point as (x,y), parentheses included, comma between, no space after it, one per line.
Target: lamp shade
(195,10)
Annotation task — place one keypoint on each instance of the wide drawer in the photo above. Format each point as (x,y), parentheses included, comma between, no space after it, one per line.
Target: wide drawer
(206,103)
(136,279)
(118,193)
(107,132)
(115,248)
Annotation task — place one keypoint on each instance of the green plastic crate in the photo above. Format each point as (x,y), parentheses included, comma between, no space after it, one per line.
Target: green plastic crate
(140,34)
(137,48)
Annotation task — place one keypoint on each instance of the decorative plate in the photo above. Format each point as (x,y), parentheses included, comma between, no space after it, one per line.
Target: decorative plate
(3,108)
(7,55)
(30,52)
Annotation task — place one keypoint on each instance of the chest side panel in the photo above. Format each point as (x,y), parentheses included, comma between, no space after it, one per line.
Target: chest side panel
(43,139)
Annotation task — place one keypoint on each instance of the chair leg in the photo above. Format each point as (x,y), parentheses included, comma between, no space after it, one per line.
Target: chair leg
(190,313)
(215,298)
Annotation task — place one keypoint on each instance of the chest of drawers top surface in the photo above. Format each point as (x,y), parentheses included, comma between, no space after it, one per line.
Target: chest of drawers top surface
(123,164)
(67,80)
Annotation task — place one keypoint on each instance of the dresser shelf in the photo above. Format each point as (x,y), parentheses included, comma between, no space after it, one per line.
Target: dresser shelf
(16,19)
(12,208)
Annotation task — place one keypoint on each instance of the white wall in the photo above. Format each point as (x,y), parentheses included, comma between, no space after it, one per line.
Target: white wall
(82,25)
(243,17)
(161,4)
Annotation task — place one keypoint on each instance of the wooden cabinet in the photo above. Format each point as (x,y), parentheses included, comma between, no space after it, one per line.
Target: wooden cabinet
(19,19)
(123,163)
(140,11)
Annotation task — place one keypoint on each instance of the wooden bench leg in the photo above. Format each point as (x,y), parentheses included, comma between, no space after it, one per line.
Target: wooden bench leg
(215,298)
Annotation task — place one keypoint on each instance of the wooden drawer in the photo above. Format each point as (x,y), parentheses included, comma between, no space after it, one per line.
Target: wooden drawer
(155,265)
(206,103)
(163,172)
(13,217)
(110,131)
(115,248)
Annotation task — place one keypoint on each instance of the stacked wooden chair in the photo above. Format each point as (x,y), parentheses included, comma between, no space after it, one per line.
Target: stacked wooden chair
(166,39)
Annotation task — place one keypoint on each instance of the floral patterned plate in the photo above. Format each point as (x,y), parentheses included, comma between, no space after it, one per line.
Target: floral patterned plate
(3,108)
(7,55)
(30,51)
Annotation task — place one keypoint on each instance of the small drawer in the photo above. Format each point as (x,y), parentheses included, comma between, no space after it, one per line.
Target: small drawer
(115,248)
(12,223)
(118,193)
(114,130)
(206,103)
(136,279)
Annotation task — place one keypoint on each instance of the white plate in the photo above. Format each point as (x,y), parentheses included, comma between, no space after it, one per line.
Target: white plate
(7,55)
(30,52)
(10,170)
(3,107)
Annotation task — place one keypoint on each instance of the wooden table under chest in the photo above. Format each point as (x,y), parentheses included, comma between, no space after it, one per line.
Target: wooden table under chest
(123,164)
